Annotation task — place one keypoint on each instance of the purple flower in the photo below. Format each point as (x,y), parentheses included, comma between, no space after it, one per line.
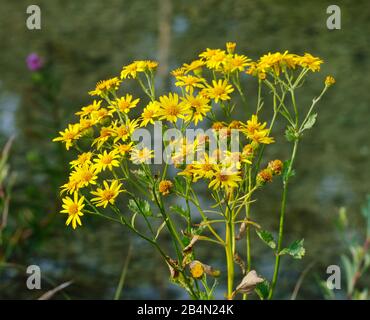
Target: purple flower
(34,62)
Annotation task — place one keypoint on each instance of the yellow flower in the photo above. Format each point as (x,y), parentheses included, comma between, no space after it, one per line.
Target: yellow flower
(106,160)
(310,62)
(74,209)
(141,155)
(170,108)
(255,131)
(195,66)
(131,70)
(71,186)
(224,178)
(216,60)
(105,134)
(264,176)
(69,135)
(198,105)
(84,175)
(230,47)
(124,131)
(209,53)
(100,114)
(204,168)
(165,187)
(253,125)
(190,82)
(122,149)
(150,112)
(124,104)
(236,63)
(151,65)
(105,86)
(329,81)
(261,137)
(108,194)
(219,90)
(86,111)
(196,269)
(83,158)
(178,72)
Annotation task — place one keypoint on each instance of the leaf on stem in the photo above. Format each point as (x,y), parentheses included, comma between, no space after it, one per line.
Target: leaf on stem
(310,122)
(296,249)
(267,238)
(263,290)
(140,206)
(249,283)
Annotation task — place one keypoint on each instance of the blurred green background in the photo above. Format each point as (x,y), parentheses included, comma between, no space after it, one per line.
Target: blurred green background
(85,41)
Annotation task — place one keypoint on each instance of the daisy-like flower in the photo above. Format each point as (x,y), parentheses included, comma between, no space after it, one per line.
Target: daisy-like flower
(124,131)
(71,186)
(123,149)
(106,160)
(74,209)
(124,104)
(203,168)
(255,131)
(103,87)
(216,61)
(309,61)
(165,187)
(198,105)
(69,135)
(108,194)
(150,112)
(84,175)
(219,90)
(83,158)
(253,125)
(99,115)
(179,72)
(142,155)
(209,53)
(230,47)
(105,134)
(86,111)
(131,70)
(190,82)
(224,178)
(195,66)
(171,109)
(236,63)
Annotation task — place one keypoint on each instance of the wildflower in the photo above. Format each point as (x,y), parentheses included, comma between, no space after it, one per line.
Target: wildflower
(196,269)
(264,176)
(230,47)
(150,112)
(209,53)
(224,178)
(122,149)
(178,72)
(105,134)
(165,187)
(236,63)
(124,131)
(74,209)
(131,70)
(69,135)
(171,109)
(108,194)
(276,166)
(195,66)
(219,90)
(103,87)
(151,65)
(310,62)
(256,131)
(34,62)
(124,104)
(141,155)
(86,111)
(215,61)
(190,82)
(218,125)
(106,160)
(71,186)
(329,81)
(203,168)
(83,158)
(199,107)
(100,114)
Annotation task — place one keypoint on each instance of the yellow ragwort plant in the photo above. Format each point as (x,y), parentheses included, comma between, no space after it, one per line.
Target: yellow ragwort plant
(113,171)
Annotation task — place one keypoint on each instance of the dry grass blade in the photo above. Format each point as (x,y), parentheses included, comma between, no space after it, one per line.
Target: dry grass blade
(49,294)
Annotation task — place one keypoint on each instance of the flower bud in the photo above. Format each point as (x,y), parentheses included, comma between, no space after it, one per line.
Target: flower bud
(165,187)
(276,166)
(264,176)
(329,81)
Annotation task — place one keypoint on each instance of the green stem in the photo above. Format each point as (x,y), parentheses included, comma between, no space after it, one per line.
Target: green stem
(281,223)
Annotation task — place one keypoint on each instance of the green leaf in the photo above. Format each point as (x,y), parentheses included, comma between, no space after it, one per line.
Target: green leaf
(140,206)
(263,289)
(310,122)
(267,238)
(286,176)
(290,134)
(180,184)
(296,249)
(180,210)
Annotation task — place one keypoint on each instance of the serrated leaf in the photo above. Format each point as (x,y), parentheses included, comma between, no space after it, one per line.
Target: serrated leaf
(263,289)
(310,122)
(180,210)
(140,206)
(267,238)
(287,175)
(296,249)
(290,134)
